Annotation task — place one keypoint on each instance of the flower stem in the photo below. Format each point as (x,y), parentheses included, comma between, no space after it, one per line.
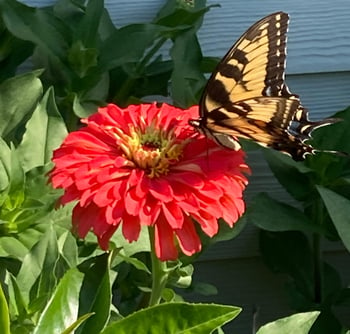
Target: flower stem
(159,273)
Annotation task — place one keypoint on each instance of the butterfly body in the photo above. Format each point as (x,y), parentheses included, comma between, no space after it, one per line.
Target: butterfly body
(247,97)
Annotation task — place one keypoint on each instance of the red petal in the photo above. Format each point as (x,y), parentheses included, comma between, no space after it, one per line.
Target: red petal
(173,214)
(161,190)
(164,241)
(131,227)
(189,240)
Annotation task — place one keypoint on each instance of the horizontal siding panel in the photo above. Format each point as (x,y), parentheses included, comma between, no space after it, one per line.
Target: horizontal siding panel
(318,38)
(319,34)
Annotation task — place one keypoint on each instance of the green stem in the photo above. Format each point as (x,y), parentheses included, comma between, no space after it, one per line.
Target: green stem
(159,273)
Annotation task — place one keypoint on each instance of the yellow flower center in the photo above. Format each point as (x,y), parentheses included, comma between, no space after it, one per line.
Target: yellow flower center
(153,150)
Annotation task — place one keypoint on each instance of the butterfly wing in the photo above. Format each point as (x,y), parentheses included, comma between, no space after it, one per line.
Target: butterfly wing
(247,97)
(254,66)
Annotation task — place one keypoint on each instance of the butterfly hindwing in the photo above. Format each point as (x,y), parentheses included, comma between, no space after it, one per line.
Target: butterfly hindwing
(247,97)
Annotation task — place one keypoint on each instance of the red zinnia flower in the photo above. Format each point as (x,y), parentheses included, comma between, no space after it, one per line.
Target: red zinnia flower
(145,165)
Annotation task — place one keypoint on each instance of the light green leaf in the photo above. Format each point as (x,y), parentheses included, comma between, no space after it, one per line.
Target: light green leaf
(62,309)
(174,318)
(295,324)
(5,165)
(39,262)
(77,323)
(68,248)
(18,98)
(46,120)
(12,248)
(17,305)
(4,314)
(338,208)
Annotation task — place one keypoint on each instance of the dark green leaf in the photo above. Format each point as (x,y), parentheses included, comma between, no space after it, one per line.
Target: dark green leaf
(289,253)
(338,208)
(37,150)
(271,215)
(175,318)
(297,323)
(128,44)
(38,26)
(18,98)
(96,293)
(336,136)
(187,80)
(82,58)
(87,31)
(62,309)
(177,13)
(292,175)
(13,52)
(4,314)
(76,324)
(326,323)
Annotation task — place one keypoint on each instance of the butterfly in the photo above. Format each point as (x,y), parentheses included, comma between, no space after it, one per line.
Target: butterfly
(247,96)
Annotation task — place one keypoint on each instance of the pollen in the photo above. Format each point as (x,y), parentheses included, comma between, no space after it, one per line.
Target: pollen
(152,150)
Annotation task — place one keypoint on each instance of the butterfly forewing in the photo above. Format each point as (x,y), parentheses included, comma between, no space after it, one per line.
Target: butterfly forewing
(253,67)
(247,96)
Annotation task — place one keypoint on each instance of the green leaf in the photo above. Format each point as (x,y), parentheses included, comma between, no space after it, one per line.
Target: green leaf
(39,263)
(13,52)
(17,183)
(135,262)
(77,323)
(4,314)
(271,215)
(128,44)
(299,323)
(17,305)
(291,174)
(175,318)
(68,248)
(338,208)
(281,255)
(5,166)
(335,136)
(129,249)
(18,98)
(37,25)
(37,150)
(187,80)
(96,294)
(177,13)
(62,309)
(12,248)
